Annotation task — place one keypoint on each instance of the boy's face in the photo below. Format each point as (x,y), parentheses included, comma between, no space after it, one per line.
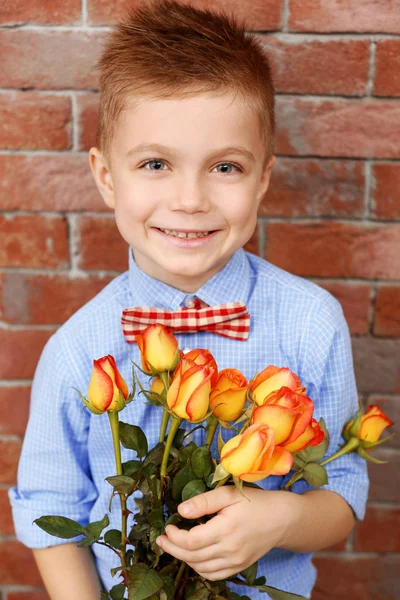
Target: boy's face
(185,178)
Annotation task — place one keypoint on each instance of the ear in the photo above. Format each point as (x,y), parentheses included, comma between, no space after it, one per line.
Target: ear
(102,176)
(264,182)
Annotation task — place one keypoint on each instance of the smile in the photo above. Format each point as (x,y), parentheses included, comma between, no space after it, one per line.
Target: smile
(185,235)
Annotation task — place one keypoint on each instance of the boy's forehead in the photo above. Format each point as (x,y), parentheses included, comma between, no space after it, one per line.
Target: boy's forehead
(209,118)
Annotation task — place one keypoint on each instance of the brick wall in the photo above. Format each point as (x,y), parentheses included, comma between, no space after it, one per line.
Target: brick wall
(332,214)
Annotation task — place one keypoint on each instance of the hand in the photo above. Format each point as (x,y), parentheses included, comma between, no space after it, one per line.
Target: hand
(243,530)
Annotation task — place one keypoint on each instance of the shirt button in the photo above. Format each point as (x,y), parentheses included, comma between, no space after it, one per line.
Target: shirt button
(189,302)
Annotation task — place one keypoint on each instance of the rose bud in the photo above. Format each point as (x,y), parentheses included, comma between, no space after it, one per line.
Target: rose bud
(105,387)
(272,379)
(252,456)
(312,436)
(204,358)
(157,386)
(228,397)
(287,413)
(189,393)
(158,349)
(370,427)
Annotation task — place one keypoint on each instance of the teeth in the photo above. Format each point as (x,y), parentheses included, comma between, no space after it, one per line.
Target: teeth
(183,235)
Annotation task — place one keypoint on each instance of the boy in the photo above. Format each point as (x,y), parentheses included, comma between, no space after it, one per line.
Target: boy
(184,157)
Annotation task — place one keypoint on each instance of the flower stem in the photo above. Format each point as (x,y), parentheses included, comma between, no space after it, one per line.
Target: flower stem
(164,425)
(172,431)
(350,446)
(165,418)
(179,574)
(211,428)
(114,423)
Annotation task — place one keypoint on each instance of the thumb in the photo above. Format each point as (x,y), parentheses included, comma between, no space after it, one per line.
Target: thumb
(209,502)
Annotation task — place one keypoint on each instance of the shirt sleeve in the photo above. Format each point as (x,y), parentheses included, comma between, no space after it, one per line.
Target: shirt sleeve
(327,371)
(53,473)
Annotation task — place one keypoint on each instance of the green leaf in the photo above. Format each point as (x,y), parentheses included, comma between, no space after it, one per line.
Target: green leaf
(113,537)
(121,483)
(155,455)
(132,437)
(180,480)
(131,467)
(117,592)
(60,526)
(94,529)
(168,588)
(186,452)
(280,594)
(315,474)
(193,488)
(250,573)
(145,582)
(201,462)
(104,596)
(156,517)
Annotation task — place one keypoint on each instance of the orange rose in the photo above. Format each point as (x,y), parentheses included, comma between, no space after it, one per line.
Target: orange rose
(158,349)
(312,436)
(373,422)
(228,397)
(252,456)
(157,386)
(287,413)
(272,379)
(189,393)
(106,386)
(204,358)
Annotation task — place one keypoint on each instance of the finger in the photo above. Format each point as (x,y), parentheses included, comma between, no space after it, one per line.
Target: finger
(216,575)
(183,554)
(209,502)
(200,536)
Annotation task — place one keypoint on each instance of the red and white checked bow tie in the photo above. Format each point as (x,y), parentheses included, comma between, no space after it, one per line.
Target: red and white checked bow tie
(230,320)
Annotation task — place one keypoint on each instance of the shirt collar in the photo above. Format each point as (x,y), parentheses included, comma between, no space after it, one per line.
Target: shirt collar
(231,284)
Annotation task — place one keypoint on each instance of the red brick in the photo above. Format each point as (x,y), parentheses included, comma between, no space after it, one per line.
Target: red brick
(385,479)
(319,67)
(88,111)
(354,128)
(101,245)
(17,565)
(387,68)
(33,241)
(36,59)
(380,16)
(6,522)
(355,301)
(45,299)
(48,12)
(379,532)
(358,578)
(34,121)
(315,188)
(14,410)
(385,192)
(9,456)
(377,365)
(387,311)
(259,15)
(29,595)
(390,405)
(12,364)
(333,249)
(56,182)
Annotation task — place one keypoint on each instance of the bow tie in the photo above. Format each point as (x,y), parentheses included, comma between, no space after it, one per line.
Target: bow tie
(230,320)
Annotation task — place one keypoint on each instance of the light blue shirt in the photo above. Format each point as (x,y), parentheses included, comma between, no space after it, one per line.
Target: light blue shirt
(68,452)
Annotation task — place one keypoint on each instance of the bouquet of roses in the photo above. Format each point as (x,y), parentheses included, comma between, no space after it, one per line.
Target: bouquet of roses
(275,433)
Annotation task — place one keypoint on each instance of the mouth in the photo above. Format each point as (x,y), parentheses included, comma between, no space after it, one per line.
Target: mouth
(189,235)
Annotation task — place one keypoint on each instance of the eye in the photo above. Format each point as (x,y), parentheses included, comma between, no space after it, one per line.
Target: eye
(153,164)
(228,168)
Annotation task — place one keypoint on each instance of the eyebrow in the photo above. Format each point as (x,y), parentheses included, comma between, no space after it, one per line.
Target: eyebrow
(158,148)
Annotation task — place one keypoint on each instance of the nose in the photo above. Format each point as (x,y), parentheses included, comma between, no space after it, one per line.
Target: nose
(190,195)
